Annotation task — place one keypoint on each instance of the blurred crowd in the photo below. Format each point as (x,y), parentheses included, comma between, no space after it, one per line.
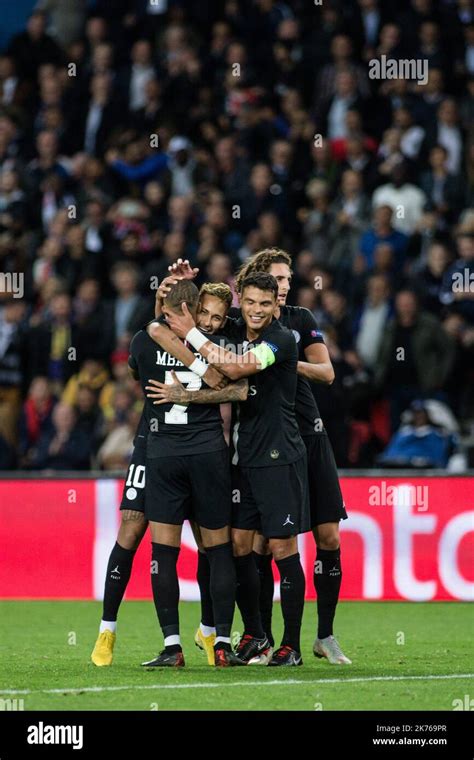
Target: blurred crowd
(139,131)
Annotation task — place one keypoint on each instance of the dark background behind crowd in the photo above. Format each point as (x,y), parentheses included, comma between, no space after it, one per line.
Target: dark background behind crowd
(133,133)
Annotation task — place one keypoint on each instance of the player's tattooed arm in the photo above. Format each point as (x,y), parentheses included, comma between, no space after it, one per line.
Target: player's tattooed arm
(176,393)
(318,367)
(170,342)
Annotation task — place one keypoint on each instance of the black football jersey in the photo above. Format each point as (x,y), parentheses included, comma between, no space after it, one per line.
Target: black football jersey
(305,329)
(264,430)
(174,429)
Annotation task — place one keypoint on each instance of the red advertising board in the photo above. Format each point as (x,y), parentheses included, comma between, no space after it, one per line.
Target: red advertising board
(406,538)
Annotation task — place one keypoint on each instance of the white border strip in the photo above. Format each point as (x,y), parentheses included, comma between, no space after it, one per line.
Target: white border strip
(222,685)
(106,528)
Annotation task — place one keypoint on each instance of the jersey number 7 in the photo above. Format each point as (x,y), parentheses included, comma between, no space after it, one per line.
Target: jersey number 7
(178,415)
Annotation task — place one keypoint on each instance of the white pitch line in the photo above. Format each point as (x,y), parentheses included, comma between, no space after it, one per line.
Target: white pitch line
(216,685)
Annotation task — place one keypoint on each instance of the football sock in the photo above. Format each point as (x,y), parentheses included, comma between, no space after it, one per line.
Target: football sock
(203,577)
(222,586)
(292,588)
(173,644)
(222,643)
(207,630)
(327,582)
(267,587)
(165,586)
(247,597)
(108,625)
(119,569)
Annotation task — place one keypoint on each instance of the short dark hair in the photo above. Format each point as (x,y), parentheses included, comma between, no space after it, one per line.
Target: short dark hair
(184,291)
(262,281)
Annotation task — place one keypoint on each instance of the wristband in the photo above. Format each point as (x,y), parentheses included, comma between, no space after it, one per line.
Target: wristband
(196,338)
(198,367)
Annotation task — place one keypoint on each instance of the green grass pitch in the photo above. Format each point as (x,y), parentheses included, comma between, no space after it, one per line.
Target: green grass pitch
(400,653)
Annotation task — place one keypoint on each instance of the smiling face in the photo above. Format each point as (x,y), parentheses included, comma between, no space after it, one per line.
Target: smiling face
(282,274)
(257,308)
(212,313)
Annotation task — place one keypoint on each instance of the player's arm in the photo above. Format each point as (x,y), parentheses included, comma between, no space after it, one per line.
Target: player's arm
(170,342)
(176,393)
(133,367)
(318,366)
(232,365)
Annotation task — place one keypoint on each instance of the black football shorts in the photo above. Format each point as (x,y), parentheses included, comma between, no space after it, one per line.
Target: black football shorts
(195,487)
(325,497)
(272,500)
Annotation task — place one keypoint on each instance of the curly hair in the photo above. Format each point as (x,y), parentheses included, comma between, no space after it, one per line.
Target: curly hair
(219,290)
(261,262)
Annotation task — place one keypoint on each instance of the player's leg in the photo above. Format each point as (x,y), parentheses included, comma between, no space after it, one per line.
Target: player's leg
(166,504)
(327,509)
(292,591)
(119,567)
(281,493)
(327,575)
(263,559)
(254,646)
(212,510)
(245,522)
(205,635)
(218,548)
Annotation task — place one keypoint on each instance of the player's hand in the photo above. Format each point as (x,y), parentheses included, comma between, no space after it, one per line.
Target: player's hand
(167,393)
(183,268)
(181,323)
(166,285)
(214,379)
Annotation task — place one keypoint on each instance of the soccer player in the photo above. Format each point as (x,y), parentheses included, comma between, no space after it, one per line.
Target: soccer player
(186,450)
(269,463)
(215,300)
(326,502)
